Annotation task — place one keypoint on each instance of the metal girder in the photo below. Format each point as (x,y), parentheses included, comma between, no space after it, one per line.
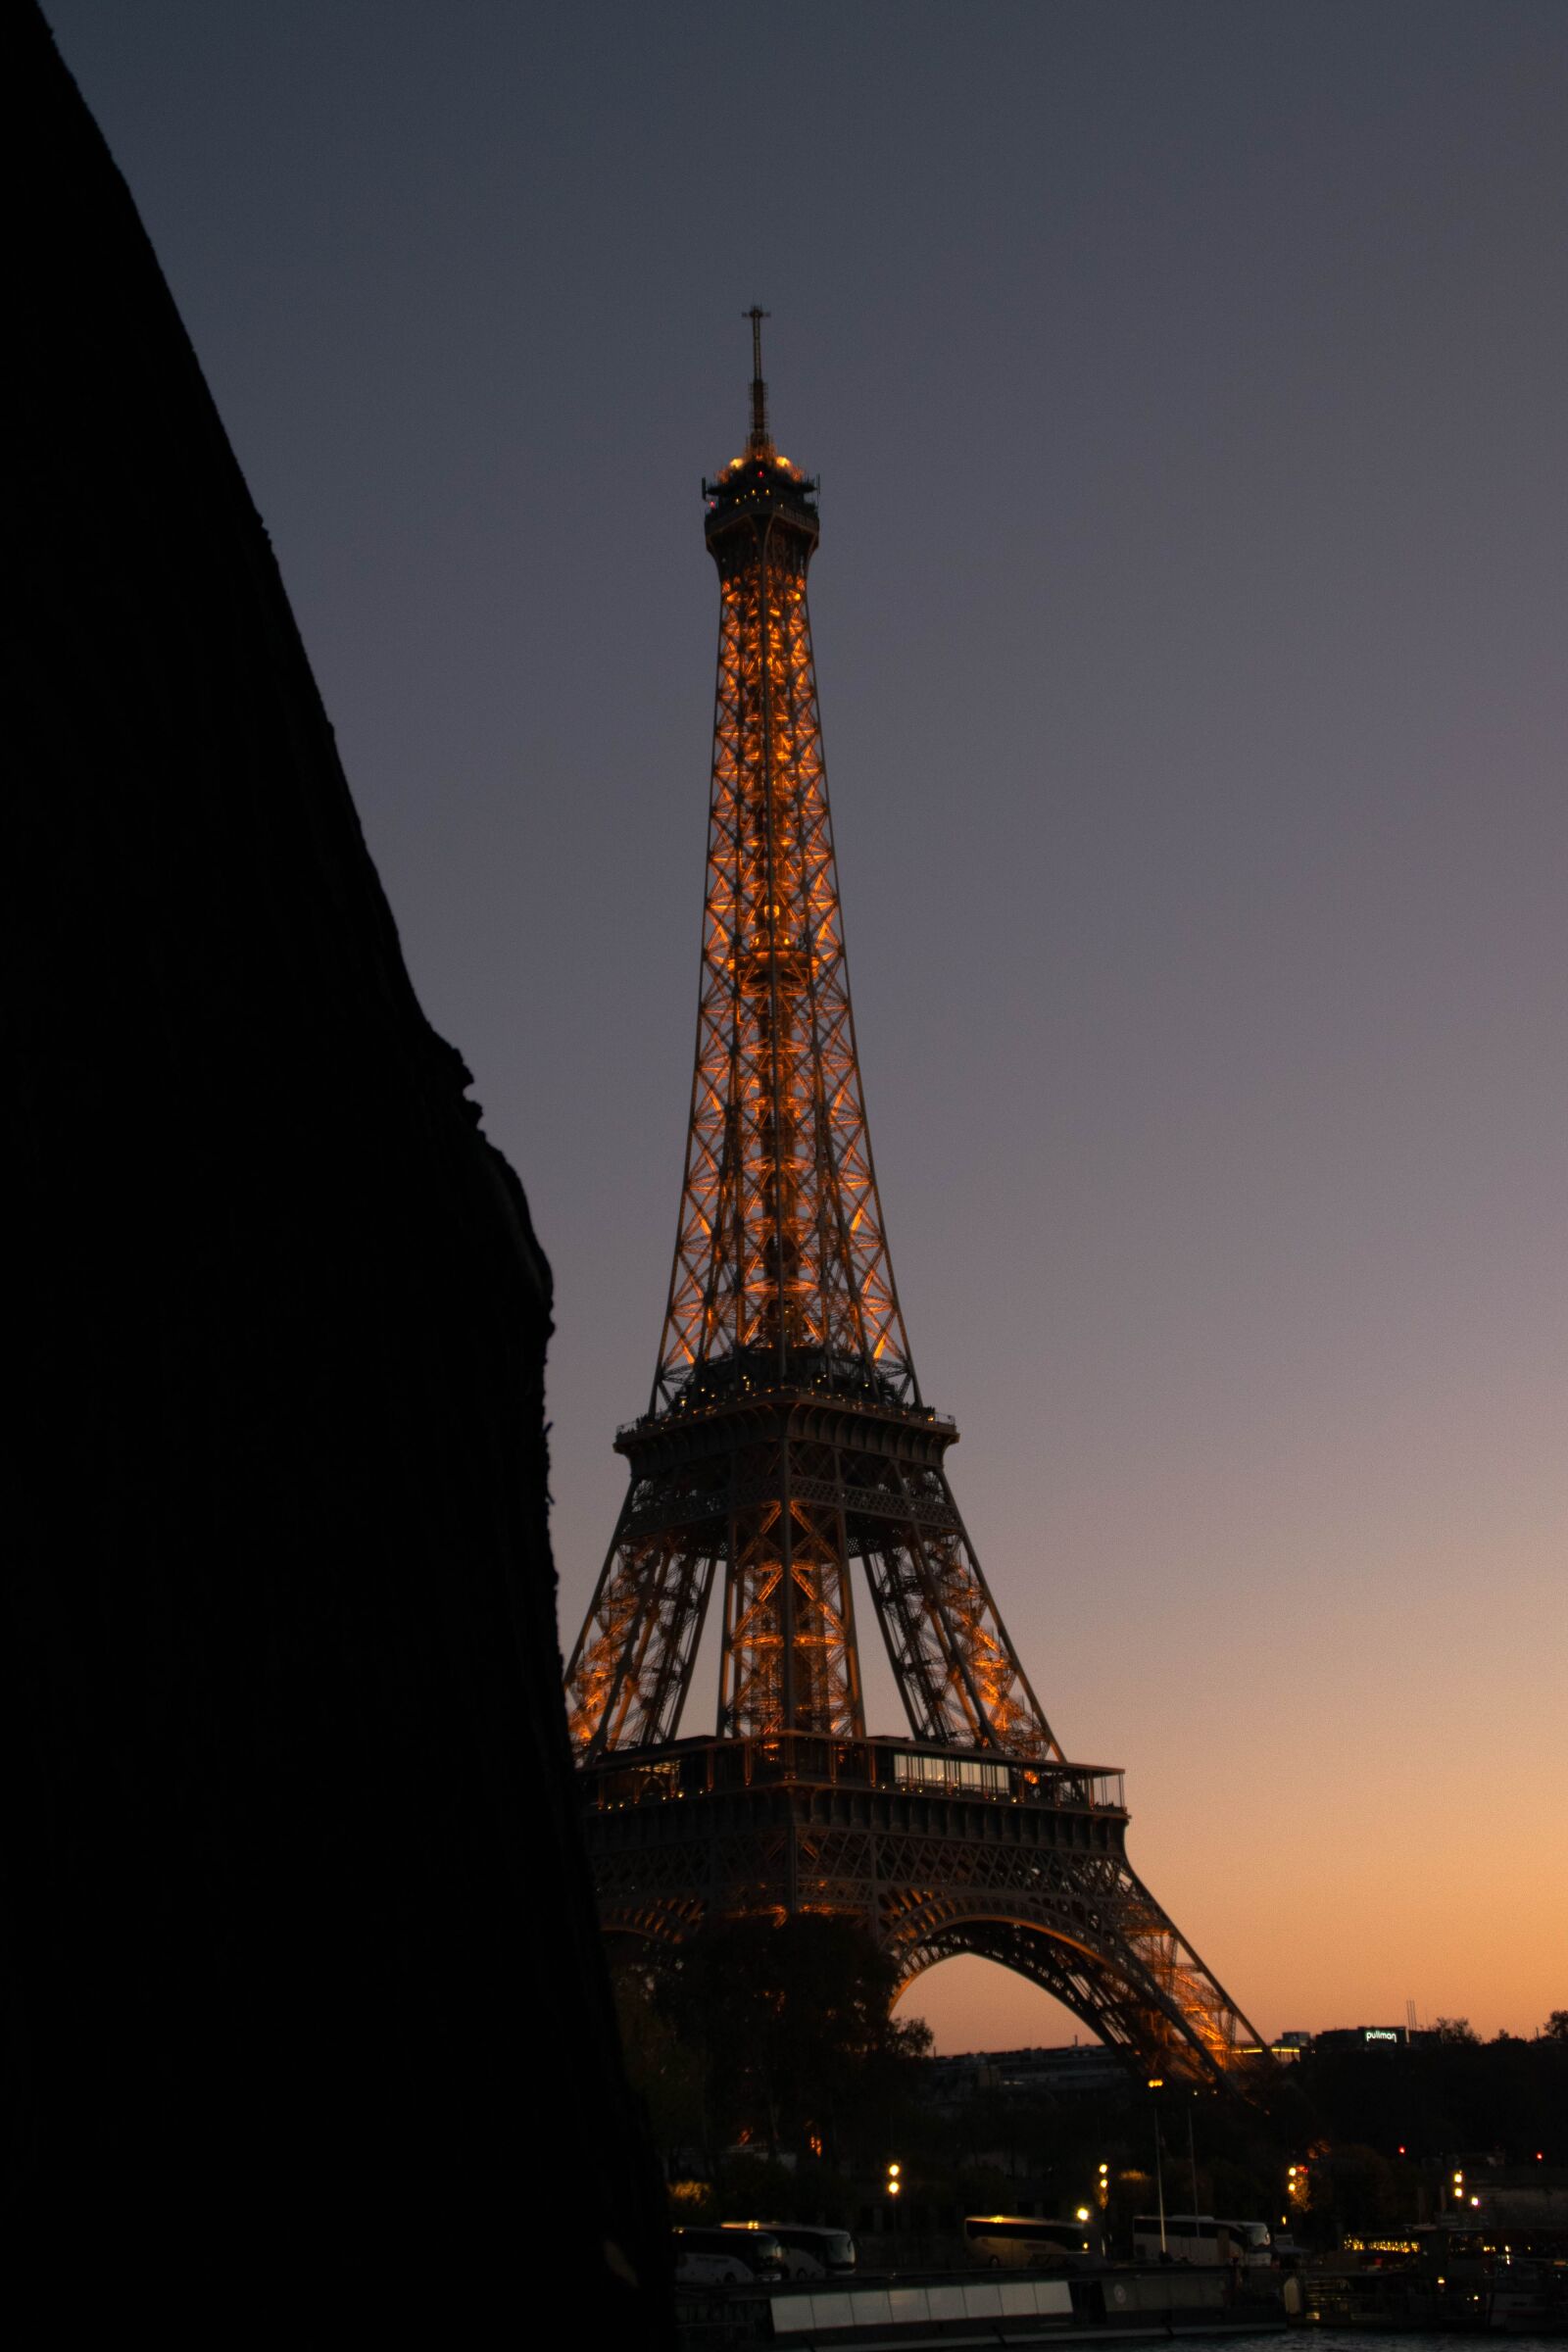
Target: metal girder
(780,1250)
(781,1281)
(1089,1932)
(1043,1887)
(786,1438)
(785,1502)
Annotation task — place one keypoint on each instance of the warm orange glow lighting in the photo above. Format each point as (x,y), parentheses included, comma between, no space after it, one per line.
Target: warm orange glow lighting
(780,1249)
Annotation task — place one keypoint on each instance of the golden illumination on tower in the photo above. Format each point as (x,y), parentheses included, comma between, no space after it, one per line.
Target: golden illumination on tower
(780,1249)
(787,1452)
(781,1288)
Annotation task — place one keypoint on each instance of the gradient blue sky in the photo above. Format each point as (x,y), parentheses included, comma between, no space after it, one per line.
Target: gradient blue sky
(1188,387)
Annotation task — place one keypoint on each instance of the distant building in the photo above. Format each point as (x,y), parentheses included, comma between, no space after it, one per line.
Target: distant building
(1075,2069)
(1369,2037)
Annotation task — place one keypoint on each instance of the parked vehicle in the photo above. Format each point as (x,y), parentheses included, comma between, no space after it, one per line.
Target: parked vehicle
(809,2252)
(756,2249)
(1199,2237)
(1012,2241)
(708,2269)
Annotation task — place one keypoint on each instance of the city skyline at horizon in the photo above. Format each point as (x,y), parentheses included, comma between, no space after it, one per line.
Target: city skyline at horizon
(1204,908)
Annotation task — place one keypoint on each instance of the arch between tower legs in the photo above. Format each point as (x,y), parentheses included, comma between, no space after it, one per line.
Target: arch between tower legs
(1093,1985)
(1047,1894)
(1114,1997)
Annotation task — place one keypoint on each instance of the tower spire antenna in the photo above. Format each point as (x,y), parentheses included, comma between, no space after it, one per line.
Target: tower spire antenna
(760,432)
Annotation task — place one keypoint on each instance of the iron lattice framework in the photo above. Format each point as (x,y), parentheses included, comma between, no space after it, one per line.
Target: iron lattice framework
(786,1438)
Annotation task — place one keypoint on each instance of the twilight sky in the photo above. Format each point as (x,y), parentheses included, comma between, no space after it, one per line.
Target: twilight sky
(1187,386)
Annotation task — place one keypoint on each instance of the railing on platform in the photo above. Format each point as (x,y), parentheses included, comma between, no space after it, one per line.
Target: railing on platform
(706,1767)
(700,1409)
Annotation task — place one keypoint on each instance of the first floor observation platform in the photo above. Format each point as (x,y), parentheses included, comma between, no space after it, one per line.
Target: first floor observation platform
(688,1770)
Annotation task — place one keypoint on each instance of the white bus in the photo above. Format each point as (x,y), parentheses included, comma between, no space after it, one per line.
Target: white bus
(809,2252)
(1200,2237)
(1014,2241)
(757,2251)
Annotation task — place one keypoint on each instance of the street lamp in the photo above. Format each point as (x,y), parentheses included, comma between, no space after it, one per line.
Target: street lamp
(1156,2082)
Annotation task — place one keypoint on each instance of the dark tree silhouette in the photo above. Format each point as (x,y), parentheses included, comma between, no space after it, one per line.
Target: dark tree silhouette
(791,2019)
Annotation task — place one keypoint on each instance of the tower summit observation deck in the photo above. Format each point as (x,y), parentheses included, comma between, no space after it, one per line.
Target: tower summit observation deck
(787,1440)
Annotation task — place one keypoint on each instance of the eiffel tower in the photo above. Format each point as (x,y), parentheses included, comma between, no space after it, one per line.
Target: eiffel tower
(787,1437)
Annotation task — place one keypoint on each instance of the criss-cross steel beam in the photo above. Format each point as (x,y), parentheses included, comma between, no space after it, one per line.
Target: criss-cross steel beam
(781,1279)
(786,1438)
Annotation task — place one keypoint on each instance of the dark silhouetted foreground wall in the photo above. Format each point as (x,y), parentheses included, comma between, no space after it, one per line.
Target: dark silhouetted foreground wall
(297,1946)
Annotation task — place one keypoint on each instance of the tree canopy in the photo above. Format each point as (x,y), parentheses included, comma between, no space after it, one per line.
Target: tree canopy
(786,2025)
